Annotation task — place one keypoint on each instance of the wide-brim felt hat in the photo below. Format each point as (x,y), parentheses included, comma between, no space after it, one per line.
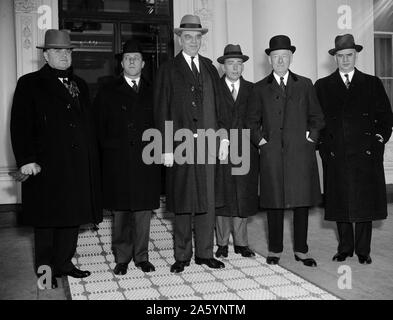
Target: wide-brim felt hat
(280,42)
(345,41)
(56,39)
(130,46)
(190,23)
(232,51)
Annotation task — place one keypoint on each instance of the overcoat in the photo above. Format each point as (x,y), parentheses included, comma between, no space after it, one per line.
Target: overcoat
(354,179)
(176,100)
(123,115)
(56,131)
(241,191)
(289,175)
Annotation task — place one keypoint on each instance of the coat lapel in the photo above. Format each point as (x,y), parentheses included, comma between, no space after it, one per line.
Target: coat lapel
(124,87)
(274,86)
(184,69)
(55,85)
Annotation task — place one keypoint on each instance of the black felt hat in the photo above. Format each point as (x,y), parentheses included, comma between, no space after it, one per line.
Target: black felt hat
(345,41)
(280,42)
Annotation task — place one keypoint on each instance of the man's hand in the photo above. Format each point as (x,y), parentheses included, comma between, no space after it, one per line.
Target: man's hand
(262,142)
(308,137)
(167,159)
(30,169)
(19,176)
(224,150)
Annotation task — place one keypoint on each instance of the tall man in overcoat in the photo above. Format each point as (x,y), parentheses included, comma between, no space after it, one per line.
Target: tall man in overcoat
(358,124)
(285,119)
(55,147)
(188,96)
(241,190)
(131,187)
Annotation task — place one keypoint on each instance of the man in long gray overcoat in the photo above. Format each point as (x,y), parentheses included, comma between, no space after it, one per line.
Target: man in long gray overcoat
(285,119)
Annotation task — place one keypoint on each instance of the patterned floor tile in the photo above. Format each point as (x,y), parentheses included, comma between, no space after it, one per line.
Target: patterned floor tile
(242,278)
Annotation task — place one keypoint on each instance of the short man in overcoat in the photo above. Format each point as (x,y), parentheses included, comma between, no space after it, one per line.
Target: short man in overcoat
(285,119)
(358,124)
(131,187)
(55,147)
(241,190)
(188,96)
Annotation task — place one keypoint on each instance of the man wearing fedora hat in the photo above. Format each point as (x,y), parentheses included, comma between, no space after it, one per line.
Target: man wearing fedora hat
(285,119)
(55,148)
(131,188)
(241,190)
(188,94)
(358,124)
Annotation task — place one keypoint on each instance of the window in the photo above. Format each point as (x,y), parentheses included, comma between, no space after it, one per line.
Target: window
(383,43)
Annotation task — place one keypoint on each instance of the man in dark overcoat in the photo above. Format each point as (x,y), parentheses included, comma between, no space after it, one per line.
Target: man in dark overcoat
(55,148)
(131,187)
(358,124)
(241,190)
(188,96)
(285,119)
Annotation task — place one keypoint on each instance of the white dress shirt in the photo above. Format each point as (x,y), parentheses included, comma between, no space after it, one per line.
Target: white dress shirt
(350,75)
(129,81)
(277,77)
(188,59)
(236,83)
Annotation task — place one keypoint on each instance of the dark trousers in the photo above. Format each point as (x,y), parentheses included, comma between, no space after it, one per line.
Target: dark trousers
(55,247)
(360,241)
(275,219)
(131,233)
(204,236)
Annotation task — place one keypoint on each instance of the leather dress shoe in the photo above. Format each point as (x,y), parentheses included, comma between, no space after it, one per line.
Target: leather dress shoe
(178,266)
(121,269)
(211,263)
(222,251)
(272,260)
(341,256)
(77,273)
(309,262)
(244,251)
(364,259)
(145,266)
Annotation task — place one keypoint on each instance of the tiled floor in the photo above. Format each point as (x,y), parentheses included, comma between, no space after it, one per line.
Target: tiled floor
(375,281)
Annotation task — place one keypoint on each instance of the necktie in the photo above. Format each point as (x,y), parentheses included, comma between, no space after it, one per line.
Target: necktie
(194,68)
(71,87)
(234,92)
(347,83)
(282,84)
(134,86)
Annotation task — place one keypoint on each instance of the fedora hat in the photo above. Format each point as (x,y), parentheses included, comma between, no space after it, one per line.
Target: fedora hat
(57,39)
(280,42)
(130,46)
(232,51)
(190,22)
(345,41)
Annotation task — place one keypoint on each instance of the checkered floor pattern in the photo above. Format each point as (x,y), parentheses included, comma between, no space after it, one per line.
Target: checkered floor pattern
(242,278)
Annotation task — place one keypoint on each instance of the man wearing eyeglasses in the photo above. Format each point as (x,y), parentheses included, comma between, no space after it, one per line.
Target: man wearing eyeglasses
(285,119)
(55,150)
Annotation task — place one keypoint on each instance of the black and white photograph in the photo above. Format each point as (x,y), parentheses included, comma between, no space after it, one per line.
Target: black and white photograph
(195,157)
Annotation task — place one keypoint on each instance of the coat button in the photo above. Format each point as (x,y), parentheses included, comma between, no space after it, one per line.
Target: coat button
(332,154)
(68,106)
(192,88)
(72,125)
(193,104)
(367,133)
(124,108)
(368,152)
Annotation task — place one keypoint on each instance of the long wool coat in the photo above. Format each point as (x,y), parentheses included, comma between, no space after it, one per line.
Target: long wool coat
(176,99)
(122,116)
(50,128)
(288,167)
(354,179)
(241,191)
